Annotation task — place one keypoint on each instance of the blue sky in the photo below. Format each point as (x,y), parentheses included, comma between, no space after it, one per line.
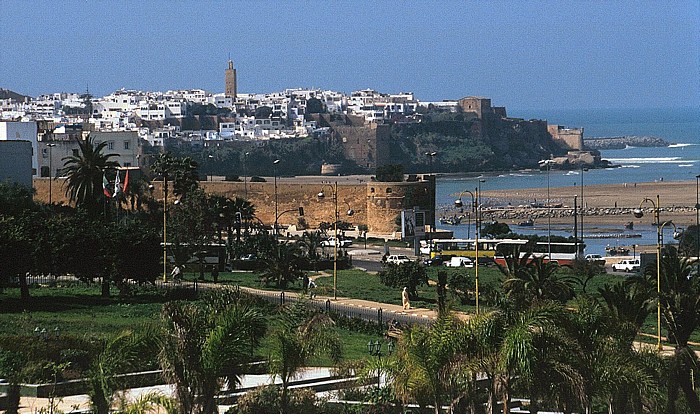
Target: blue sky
(523,55)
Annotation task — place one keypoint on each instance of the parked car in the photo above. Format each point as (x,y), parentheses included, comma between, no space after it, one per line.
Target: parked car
(397,259)
(595,258)
(434,261)
(330,242)
(631,265)
(459,261)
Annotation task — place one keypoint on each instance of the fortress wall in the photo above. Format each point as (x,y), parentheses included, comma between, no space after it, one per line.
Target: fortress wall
(376,204)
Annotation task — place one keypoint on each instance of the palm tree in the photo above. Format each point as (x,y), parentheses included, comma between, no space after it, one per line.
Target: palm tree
(121,354)
(85,173)
(283,267)
(680,305)
(203,343)
(182,171)
(539,282)
(430,367)
(534,354)
(614,372)
(301,337)
(310,242)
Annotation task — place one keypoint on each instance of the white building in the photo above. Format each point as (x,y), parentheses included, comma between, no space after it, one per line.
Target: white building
(22,131)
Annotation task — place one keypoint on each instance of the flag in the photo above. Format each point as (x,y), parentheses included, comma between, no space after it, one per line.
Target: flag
(117,185)
(104,186)
(126,181)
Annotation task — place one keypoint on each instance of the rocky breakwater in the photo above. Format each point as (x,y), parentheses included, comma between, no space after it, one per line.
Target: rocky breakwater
(521,213)
(608,143)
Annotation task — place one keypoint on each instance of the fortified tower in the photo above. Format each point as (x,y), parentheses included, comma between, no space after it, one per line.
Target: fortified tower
(231,85)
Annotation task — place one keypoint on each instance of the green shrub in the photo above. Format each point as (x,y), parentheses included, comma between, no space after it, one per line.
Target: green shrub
(409,275)
(266,399)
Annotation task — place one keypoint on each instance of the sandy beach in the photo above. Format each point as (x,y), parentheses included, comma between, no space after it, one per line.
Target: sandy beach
(604,204)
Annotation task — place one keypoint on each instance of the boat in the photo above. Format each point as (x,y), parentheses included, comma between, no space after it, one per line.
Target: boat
(527,223)
(452,221)
(616,251)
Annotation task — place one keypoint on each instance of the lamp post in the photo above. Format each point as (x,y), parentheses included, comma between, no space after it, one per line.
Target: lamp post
(475,209)
(547,163)
(582,202)
(245,174)
(374,348)
(274,163)
(350,212)
(211,172)
(431,155)
(697,219)
(165,225)
(50,145)
(638,213)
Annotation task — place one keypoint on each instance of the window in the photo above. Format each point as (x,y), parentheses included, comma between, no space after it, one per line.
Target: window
(110,145)
(388,190)
(75,153)
(127,164)
(126,145)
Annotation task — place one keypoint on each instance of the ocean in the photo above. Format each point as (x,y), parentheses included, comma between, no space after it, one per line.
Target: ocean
(677,162)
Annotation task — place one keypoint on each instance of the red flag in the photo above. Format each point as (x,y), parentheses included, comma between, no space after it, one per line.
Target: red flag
(126,181)
(104,186)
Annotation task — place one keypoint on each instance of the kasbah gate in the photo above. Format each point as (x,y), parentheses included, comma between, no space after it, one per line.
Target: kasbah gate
(378,205)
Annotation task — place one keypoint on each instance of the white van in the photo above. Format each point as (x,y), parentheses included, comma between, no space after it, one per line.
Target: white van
(459,261)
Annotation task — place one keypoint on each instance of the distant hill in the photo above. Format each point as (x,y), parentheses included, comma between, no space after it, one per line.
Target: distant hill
(8,94)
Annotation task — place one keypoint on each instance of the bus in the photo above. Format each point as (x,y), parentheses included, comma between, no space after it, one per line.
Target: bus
(467,247)
(562,253)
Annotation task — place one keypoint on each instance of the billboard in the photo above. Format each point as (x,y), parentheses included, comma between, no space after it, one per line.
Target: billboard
(413,223)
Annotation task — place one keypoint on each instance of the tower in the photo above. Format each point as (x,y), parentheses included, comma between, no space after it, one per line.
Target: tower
(231,87)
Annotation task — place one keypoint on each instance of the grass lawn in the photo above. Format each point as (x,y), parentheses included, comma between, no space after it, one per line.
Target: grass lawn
(78,310)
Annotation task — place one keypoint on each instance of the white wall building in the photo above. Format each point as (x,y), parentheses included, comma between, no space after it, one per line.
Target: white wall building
(22,131)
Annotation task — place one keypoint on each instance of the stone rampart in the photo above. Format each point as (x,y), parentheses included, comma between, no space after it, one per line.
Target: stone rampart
(375,204)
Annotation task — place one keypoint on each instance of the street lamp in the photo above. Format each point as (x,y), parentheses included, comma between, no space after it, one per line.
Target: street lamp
(245,174)
(50,145)
(350,212)
(374,348)
(274,163)
(549,213)
(583,211)
(475,209)
(638,213)
(431,155)
(697,218)
(211,172)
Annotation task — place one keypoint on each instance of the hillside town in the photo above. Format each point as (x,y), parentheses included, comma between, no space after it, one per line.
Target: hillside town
(134,122)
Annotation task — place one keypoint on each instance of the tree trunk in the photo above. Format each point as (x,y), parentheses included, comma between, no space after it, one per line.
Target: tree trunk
(506,396)
(24,288)
(13,397)
(105,287)
(534,406)
(690,396)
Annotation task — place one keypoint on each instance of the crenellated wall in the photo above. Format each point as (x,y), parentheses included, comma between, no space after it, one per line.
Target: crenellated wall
(375,204)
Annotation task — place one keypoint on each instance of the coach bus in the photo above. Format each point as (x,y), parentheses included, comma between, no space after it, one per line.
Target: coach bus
(562,253)
(467,248)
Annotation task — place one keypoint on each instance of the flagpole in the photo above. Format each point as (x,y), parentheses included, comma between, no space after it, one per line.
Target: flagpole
(165,244)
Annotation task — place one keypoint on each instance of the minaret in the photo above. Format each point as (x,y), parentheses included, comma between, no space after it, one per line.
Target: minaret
(231,87)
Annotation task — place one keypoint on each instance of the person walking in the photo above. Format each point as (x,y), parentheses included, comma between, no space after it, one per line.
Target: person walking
(404,299)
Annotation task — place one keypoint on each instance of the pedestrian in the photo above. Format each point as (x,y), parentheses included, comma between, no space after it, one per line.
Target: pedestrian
(312,288)
(404,299)
(176,274)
